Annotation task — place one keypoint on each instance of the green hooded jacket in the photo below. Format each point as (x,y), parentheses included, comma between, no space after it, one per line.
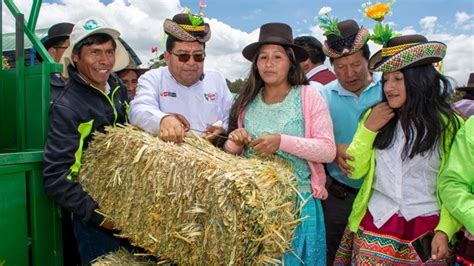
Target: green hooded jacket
(457,179)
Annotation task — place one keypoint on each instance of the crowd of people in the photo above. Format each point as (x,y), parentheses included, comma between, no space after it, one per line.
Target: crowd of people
(383,159)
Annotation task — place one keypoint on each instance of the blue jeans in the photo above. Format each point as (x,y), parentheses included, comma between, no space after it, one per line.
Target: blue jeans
(93,241)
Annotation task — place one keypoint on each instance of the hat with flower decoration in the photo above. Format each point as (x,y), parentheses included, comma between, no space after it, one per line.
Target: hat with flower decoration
(189,27)
(407,51)
(342,38)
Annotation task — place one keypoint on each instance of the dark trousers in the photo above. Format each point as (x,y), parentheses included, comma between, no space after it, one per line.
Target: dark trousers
(336,212)
(70,250)
(93,241)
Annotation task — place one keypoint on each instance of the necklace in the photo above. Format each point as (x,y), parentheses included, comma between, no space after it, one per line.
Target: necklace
(275,101)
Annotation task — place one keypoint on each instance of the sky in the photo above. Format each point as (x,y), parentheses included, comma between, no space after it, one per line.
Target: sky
(235,24)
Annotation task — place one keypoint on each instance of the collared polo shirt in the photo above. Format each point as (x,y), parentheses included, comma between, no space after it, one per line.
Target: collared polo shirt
(346,109)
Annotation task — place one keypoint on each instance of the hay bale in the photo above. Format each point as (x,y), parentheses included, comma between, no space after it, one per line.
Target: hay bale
(191,203)
(123,257)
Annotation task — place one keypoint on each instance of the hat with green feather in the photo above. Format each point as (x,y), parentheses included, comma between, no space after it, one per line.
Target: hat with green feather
(342,38)
(189,27)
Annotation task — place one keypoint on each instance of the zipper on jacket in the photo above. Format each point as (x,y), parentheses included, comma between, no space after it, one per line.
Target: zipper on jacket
(110,101)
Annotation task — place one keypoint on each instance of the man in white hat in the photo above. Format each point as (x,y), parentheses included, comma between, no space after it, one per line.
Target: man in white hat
(182,95)
(92,99)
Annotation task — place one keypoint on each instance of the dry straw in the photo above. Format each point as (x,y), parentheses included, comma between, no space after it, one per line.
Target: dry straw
(191,203)
(122,257)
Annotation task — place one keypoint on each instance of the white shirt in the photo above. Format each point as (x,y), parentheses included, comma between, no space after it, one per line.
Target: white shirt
(404,187)
(159,94)
(315,70)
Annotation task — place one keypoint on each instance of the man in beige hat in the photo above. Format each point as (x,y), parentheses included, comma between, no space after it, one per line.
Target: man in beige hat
(92,99)
(129,76)
(182,95)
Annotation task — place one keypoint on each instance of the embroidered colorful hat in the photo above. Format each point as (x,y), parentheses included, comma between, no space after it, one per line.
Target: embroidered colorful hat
(275,33)
(470,84)
(86,28)
(407,51)
(346,39)
(188,27)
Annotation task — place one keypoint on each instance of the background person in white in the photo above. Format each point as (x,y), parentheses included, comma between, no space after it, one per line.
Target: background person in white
(181,96)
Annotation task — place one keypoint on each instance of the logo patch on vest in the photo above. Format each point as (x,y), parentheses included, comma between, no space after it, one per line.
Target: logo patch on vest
(168,94)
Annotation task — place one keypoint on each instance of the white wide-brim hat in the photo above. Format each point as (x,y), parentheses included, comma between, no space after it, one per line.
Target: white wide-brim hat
(87,27)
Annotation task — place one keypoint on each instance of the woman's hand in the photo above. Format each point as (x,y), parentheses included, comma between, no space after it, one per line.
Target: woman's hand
(439,246)
(240,137)
(379,117)
(266,145)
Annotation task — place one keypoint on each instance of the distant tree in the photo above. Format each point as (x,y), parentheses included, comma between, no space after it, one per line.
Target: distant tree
(236,85)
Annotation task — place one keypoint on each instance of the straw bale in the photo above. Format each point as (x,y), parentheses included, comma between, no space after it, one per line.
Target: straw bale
(191,202)
(123,257)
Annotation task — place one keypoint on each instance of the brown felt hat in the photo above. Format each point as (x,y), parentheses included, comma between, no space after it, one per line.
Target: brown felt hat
(275,33)
(56,33)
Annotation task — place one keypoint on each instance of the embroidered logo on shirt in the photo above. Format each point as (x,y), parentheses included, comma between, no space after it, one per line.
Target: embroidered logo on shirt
(168,94)
(210,97)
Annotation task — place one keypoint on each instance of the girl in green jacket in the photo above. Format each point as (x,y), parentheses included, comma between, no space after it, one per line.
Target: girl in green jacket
(457,190)
(401,146)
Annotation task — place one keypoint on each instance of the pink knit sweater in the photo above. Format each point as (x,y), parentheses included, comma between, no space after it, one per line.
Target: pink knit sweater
(316,147)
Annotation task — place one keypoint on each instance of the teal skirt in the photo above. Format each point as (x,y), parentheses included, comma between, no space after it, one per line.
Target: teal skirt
(309,242)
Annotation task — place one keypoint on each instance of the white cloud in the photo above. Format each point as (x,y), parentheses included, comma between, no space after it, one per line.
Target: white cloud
(464,21)
(459,60)
(408,30)
(428,23)
(462,17)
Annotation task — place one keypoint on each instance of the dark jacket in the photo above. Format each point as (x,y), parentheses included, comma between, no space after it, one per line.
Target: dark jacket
(57,85)
(76,112)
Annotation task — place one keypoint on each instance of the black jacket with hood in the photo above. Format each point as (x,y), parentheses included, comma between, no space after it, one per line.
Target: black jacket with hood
(78,110)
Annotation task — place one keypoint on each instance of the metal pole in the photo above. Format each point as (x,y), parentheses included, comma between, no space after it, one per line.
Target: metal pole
(20,82)
(34,13)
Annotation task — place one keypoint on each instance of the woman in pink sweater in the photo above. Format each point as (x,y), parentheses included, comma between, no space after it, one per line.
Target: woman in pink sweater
(277,113)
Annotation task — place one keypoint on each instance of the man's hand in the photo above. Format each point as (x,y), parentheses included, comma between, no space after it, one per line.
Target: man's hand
(266,145)
(342,157)
(183,120)
(211,132)
(240,137)
(171,129)
(379,117)
(439,246)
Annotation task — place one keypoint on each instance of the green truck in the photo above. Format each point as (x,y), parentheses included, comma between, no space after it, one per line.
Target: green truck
(30,223)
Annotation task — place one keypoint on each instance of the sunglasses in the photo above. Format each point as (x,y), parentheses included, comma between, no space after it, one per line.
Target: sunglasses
(185,57)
